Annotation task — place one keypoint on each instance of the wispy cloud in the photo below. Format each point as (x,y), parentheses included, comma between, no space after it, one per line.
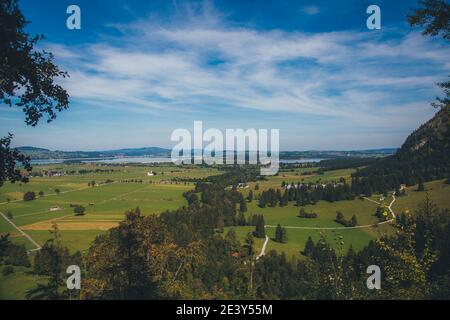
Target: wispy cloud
(311,10)
(355,78)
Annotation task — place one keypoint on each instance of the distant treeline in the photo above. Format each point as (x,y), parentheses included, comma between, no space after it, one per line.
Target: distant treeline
(345,163)
(304,194)
(330,154)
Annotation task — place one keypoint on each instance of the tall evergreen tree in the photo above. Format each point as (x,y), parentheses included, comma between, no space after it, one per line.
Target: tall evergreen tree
(353,221)
(260,230)
(243,205)
(421,186)
(284,238)
(278,233)
(250,196)
(309,247)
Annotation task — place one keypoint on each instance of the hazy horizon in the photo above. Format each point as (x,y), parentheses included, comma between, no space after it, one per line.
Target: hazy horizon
(169,148)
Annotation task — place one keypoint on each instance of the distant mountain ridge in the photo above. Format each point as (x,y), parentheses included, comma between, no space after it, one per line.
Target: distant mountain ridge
(36,153)
(44,154)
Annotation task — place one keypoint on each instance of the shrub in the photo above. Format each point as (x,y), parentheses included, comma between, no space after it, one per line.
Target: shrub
(7,270)
(79,210)
(16,255)
(307,215)
(29,196)
(347,223)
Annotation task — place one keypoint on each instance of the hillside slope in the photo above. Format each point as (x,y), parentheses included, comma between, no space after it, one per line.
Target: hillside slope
(430,142)
(425,155)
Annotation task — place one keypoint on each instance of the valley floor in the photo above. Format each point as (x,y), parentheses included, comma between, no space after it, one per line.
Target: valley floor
(110,194)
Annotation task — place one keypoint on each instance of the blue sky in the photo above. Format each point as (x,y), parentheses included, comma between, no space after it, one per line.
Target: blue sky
(140,69)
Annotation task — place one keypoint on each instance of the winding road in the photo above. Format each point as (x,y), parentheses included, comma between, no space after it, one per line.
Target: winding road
(263,249)
(38,247)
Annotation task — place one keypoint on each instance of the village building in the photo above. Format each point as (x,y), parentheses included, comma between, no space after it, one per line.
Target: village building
(54,208)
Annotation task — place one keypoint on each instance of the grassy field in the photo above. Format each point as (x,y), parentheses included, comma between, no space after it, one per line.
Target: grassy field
(105,203)
(357,238)
(438,191)
(15,285)
(326,211)
(296,176)
(287,217)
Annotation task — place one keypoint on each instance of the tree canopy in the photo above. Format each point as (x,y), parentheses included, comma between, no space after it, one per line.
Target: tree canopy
(27,81)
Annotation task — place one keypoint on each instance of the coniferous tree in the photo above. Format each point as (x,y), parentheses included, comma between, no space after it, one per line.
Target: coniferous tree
(353,221)
(250,196)
(262,201)
(302,213)
(309,247)
(284,238)
(284,199)
(220,224)
(278,233)
(421,186)
(240,221)
(260,231)
(243,205)
(52,261)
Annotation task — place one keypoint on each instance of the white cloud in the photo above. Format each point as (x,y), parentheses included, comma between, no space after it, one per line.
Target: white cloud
(192,66)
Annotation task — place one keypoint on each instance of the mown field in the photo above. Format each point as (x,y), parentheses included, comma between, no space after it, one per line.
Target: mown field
(105,203)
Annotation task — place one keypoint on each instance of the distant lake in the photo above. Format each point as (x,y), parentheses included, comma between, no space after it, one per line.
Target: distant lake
(300,160)
(141,160)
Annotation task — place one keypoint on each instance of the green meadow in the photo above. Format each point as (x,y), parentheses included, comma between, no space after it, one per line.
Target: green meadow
(288,217)
(297,175)
(340,238)
(105,203)
(438,191)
